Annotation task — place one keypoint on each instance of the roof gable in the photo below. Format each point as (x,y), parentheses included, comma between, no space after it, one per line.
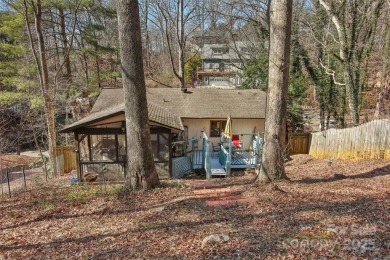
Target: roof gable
(156,114)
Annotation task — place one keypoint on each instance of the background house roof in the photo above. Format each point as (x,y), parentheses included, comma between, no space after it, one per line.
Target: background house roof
(157,115)
(196,103)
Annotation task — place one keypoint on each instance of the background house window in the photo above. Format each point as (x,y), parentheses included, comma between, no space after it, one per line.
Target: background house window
(222,66)
(217,127)
(217,51)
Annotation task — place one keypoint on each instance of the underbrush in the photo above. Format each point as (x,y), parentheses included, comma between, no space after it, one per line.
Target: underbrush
(81,193)
(173,184)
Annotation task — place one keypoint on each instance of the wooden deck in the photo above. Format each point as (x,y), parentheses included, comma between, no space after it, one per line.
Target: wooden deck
(243,159)
(219,163)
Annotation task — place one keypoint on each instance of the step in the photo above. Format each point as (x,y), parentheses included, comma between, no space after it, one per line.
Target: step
(218,171)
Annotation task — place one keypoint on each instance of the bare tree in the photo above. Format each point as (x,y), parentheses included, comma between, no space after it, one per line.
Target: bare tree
(355,23)
(384,28)
(140,164)
(278,75)
(48,79)
(176,17)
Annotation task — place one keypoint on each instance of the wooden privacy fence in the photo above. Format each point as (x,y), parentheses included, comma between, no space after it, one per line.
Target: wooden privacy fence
(298,143)
(69,158)
(367,141)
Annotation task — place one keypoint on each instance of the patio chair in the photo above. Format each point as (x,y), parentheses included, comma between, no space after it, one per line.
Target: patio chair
(236,141)
(216,149)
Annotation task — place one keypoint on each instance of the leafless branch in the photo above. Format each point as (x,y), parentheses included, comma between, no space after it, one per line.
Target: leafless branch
(332,73)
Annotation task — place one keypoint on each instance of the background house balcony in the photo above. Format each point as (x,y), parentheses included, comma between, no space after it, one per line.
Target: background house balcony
(226,72)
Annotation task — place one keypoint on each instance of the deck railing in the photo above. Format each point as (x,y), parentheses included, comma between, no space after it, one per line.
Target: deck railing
(206,158)
(250,154)
(228,156)
(195,154)
(181,166)
(258,148)
(224,159)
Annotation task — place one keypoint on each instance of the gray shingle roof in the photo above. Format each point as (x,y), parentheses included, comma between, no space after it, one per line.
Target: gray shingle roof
(197,103)
(157,115)
(167,106)
(164,117)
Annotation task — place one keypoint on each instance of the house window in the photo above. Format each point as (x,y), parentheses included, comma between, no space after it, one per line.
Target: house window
(217,51)
(222,66)
(217,127)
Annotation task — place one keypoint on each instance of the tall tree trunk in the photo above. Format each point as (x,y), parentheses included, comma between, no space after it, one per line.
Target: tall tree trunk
(48,90)
(278,75)
(54,32)
(385,69)
(97,62)
(65,44)
(86,72)
(352,93)
(147,38)
(84,62)
(343,101)
(322,116)
(140,164)
(181,42)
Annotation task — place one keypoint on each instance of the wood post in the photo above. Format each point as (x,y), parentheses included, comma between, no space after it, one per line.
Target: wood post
(9,187)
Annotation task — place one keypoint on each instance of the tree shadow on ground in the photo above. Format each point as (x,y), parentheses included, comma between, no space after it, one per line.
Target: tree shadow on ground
(383,171)
(247,226)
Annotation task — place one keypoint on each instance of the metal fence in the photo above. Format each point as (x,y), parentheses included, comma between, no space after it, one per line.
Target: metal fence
(19,178)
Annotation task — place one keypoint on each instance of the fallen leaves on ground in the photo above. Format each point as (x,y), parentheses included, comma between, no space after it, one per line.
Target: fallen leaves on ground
(316,214)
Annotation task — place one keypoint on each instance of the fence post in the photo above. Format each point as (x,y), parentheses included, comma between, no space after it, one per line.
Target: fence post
(2,179)
(104,177)
(24,178)
(9,187)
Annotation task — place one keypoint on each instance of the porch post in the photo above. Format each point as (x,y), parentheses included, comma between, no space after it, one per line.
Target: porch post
(203,150)
(193,150)
(77,148)
(229,156)
(170,154)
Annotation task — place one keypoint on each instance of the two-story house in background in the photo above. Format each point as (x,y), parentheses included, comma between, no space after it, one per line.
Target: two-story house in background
(222,61)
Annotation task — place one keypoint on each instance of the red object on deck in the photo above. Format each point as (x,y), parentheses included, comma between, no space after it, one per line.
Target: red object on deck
(236,141)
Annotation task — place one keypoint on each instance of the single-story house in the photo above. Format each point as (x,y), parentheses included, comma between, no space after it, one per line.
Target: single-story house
(173,115)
